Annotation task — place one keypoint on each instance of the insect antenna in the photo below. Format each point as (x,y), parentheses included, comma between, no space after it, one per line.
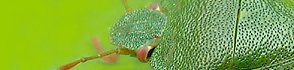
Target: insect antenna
(120,50)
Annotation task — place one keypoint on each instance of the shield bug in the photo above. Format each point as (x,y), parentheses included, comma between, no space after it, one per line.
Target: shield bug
(212,34)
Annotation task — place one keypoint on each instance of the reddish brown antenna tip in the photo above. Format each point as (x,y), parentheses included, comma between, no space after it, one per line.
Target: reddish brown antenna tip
(70,65)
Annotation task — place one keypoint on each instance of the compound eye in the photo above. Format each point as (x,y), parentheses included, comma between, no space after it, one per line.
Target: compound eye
(144,53)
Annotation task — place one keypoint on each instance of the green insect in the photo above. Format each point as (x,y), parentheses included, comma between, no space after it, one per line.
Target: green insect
(208,34)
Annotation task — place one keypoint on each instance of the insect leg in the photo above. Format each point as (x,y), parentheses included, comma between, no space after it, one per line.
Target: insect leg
(125,3)
(112,58)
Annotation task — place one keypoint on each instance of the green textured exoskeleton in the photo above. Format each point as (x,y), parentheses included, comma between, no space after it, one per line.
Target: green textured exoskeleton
(138,27)
(226,34)
(139,30)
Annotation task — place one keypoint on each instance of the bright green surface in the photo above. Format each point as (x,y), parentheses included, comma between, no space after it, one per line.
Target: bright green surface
(44,34)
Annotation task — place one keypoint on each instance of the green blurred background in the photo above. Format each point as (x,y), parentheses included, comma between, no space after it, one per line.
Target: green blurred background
(45,34)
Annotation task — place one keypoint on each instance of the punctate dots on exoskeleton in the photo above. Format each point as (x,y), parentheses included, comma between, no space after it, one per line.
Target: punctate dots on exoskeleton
(137,27)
